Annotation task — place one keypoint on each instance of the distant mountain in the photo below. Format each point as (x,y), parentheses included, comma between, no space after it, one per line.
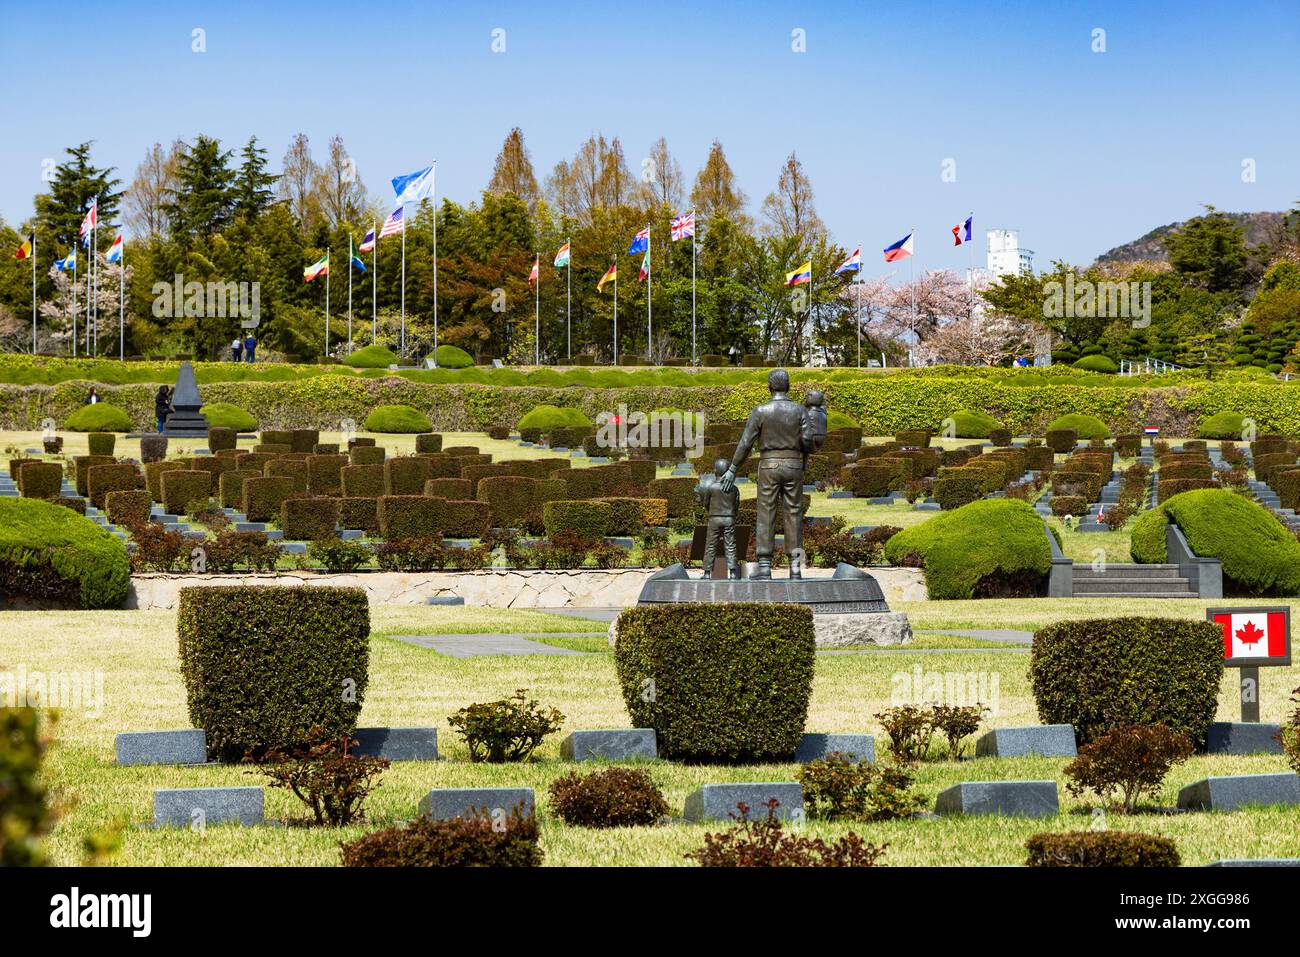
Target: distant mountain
(1258,227)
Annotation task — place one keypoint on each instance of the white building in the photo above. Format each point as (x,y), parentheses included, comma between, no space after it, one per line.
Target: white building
(1005,255)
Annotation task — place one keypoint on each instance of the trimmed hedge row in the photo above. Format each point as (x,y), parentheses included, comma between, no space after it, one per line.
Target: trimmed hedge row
(50,553)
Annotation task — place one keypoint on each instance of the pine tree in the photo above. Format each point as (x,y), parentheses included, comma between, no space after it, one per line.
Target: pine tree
(252,189)
(203,200)
(77,182)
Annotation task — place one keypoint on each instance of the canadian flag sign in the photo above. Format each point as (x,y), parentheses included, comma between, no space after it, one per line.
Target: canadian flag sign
(1254,636)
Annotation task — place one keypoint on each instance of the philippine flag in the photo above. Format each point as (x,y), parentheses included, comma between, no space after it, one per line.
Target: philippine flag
(900,250)
(115,250)
(1253,634)
(640,242)
(852,264)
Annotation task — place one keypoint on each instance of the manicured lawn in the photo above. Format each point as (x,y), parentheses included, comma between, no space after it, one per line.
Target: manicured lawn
(412,686)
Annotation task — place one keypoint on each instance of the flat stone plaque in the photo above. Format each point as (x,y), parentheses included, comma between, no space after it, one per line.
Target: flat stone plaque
(190,807)
(848,591)
(714,802)
(445,803)
(1230,792)
(612,744)
(1011,798)
(183,746)
(814,746)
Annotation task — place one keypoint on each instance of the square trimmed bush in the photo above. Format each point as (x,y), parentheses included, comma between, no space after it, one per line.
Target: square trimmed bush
(307,519)
(598,481)
(461,450)
(1061,440)
(1041,458)
(273,448)
(324,474)
(587,519)
(406,475)
(1000,437)
(220,439)
(445,466)
(868,480)
(81,466)
(275,437)
(409,516)
(957,488)
(114,477)
(16,464)
(473,473)
(362,513)
(39,479)
(1168,488)
(362,481)
(678,491)
(914,438)
(263,497)
(230,487)
(512,498)
(214,465)
(448,488)
(180,487)
(366,455)
(1101,849)
(359,441)
(101,443)
(153,476)
(253,461)
(429,442)
(626,517)
(1101,673)
(303,440)
(265,665)
(465,518)
(731,682)
(128,507)
(293,469)
(326,448)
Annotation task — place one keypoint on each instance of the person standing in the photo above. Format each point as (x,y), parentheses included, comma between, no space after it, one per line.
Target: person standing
(236,347)
(250,347)
(93,397)
(162,406)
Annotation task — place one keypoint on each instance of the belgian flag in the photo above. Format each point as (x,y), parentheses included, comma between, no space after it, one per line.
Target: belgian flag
(25,250)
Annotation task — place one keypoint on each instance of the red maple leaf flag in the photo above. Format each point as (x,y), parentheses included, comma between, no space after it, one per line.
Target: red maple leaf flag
(1257,634)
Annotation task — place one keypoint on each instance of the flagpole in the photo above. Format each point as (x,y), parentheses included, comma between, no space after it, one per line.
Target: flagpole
(349,291)
(859,309)
(374,288)
(812,315)
(970,265)
(75,283)
(121,304)
(537,310)
(649,299)
(568,299)
(912,267)
(33,292)
(327,299)
(694,227)
(616,310)
(433,192)
(401,347)
(94,276)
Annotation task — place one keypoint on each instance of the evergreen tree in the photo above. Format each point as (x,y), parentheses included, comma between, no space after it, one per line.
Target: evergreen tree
(1210,252)
(252,187)
(77,183)
(203,200)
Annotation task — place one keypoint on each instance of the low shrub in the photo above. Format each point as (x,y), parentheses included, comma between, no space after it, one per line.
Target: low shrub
(1128,762)
(39,479)
(397,419)
(100,417)
(952,491)
(475,841)
(588,520)
(230,487)
(1084,426)
(408,516)
(837,787)
(359,513)
(307,519)
(1290,734)
(1000,437)
(128,507)
(362,481)
(26,807)
(427,442)
(973,424)
(81,470)
(1063,505)
(101,443)
(406,475)
(679,492)
(544,418)
(766,844)
(991,547)
(226,415)
(221,439)
(449,488)
(366,455)
(614,797)
(505,730)
(731,682)
(335,554)
(373,356)
(1097,674)
(230,550)
(464,518)
(117,477)
(159,548)
(324,474)
(48,552)
(153,448)
(1101,849)
(326,776)
(1061,440)
(268,668)
(264,496)
(303,440)
(1097,363)
(293,469)
(868,480)
(180,487)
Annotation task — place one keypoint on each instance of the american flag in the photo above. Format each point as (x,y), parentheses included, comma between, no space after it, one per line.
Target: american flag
(368,243)
(394,223)
(683,226)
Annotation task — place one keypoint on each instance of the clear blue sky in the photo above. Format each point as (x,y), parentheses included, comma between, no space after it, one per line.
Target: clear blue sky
(1078,150)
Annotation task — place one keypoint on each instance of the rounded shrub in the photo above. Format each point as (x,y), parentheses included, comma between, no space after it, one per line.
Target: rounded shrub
(614,797)
(263,666)
(1259,555)
(1102,673)
(1085,426)
(1097,363)
(988,548)
(973,424)
(100,417)
(1222,425)
(227,415)
(731,682)
(372,357)
(546,417)
(394,419)
(452,357)
(50,553)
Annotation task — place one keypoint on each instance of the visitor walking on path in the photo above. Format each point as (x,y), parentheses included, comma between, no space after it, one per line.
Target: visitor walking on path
(162,406)
(250,347)
(236,347)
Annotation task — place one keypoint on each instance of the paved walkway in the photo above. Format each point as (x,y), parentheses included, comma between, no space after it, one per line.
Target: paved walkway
(1009,635)
(592,614)
(475,646)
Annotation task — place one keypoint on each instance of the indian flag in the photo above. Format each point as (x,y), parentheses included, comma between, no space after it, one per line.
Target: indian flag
(562,257)
(319,268)
(610,273)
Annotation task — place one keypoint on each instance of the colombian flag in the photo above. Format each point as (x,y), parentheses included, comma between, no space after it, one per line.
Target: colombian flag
(610,273)
(319,268)
(25,250)
(798,277)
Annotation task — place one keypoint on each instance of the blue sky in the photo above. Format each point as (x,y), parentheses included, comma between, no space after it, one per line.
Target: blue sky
(1078,150)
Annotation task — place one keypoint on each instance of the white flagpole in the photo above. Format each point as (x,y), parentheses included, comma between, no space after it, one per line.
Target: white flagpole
(33,292)
(694,227)
(89,276)
(401,348)
(434,193)
(859,309)
(616,310)
(812,315)
(121,304)
(568,299)
(374,287)
(94,277)
(912,268)
(349,290)
(75,283)
(649,299)
(537,309)
(970,264)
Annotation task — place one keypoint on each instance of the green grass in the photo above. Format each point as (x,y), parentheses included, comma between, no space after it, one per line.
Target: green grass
(411,686)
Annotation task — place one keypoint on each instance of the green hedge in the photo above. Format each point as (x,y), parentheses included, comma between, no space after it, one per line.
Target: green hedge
(397,419)
(127,507)
(361,481)
(1097,363)
(264,496)
(324,474)
(114,477)
(545,417)
(409,516)
(586,519)
(718,683)
(227,415)
(977,548)
(448,488)
(1101,673)
(512,498)
(50,552)
(100,417)
(40,479)
(1222,425)
(1085,426)
(230,487)
(180,487)
(265,667)
(406,475)
(464,518)
(428,442)
(362,513)
(367,455)
(371,357)
(453,357)
(101,443)
(1101,849)
(307,519)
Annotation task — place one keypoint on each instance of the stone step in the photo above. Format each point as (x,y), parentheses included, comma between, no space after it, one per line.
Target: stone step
(1127,570)
(1126,594)
(1132,586)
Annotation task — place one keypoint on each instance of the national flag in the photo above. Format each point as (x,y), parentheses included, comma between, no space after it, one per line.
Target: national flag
(562,257)
(852,264)
(67,262)
(115,250)
(319,268)
(368,243)
(683,227)
(532,273)
(395,223)
(1151,430)
(413,187)
(644,272)
(610,273)
(356,261)
(25,250)
(799,276)
(957,238)
(91,219)
(1253,634)
(899,250)
(640,242)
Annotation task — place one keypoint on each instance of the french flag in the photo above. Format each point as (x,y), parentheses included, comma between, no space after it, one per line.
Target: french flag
(900,250)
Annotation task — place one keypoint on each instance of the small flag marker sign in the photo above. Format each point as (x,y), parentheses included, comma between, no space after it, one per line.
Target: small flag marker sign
(1253,638)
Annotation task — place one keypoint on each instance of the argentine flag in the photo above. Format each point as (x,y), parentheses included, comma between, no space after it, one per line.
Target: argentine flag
(413,187)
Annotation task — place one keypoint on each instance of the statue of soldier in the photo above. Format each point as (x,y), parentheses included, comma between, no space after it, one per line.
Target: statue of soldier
(785,433)
(721,506)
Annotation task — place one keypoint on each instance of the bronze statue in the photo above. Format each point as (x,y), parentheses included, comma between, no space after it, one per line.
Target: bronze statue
(721,505)
(786,433)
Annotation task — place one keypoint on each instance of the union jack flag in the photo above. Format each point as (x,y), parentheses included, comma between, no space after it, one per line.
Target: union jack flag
(393,224)
(683,227)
